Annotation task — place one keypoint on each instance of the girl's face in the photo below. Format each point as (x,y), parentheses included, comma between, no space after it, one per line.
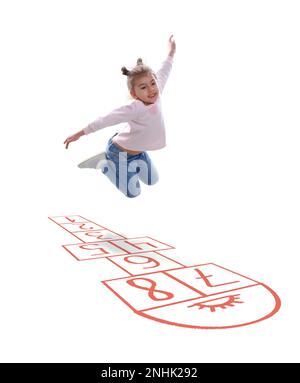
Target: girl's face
(145,89)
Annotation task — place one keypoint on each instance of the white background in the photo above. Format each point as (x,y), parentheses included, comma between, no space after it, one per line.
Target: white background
(229,177)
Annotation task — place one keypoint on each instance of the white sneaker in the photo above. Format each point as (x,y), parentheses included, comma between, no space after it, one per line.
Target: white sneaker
(95,162)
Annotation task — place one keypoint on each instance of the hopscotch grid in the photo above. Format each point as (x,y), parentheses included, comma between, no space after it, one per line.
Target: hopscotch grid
(164,271)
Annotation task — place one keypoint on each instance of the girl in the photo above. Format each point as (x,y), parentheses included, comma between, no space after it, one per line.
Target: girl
(125,160)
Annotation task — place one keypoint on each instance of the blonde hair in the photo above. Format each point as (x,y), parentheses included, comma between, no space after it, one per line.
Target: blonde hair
(138,70)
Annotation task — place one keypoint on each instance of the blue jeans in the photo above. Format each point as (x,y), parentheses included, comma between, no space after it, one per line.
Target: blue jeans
(125,170)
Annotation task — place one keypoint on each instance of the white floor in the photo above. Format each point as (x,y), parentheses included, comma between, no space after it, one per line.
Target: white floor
(228,192)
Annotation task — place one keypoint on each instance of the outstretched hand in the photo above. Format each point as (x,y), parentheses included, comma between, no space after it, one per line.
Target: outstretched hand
(73,138)
(172,46)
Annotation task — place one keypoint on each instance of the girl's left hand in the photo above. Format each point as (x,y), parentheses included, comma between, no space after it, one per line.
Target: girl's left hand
(172,46)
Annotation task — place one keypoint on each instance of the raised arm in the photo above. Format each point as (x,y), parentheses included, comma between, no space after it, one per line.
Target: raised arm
(163,73)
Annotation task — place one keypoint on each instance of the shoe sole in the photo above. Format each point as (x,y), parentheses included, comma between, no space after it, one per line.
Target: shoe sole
(99,157)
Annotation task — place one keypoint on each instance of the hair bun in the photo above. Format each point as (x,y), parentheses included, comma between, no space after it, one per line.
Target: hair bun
(139,61)
(125,71)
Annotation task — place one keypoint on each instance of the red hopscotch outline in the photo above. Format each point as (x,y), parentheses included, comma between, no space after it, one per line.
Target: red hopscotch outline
(165,272)
(115,255)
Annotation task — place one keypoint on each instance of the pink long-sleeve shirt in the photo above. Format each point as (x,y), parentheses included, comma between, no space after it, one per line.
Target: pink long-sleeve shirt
(144,128)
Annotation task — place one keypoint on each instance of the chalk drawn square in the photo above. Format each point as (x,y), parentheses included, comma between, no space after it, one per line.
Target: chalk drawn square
(210,278)
(145,263)
(148,291)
